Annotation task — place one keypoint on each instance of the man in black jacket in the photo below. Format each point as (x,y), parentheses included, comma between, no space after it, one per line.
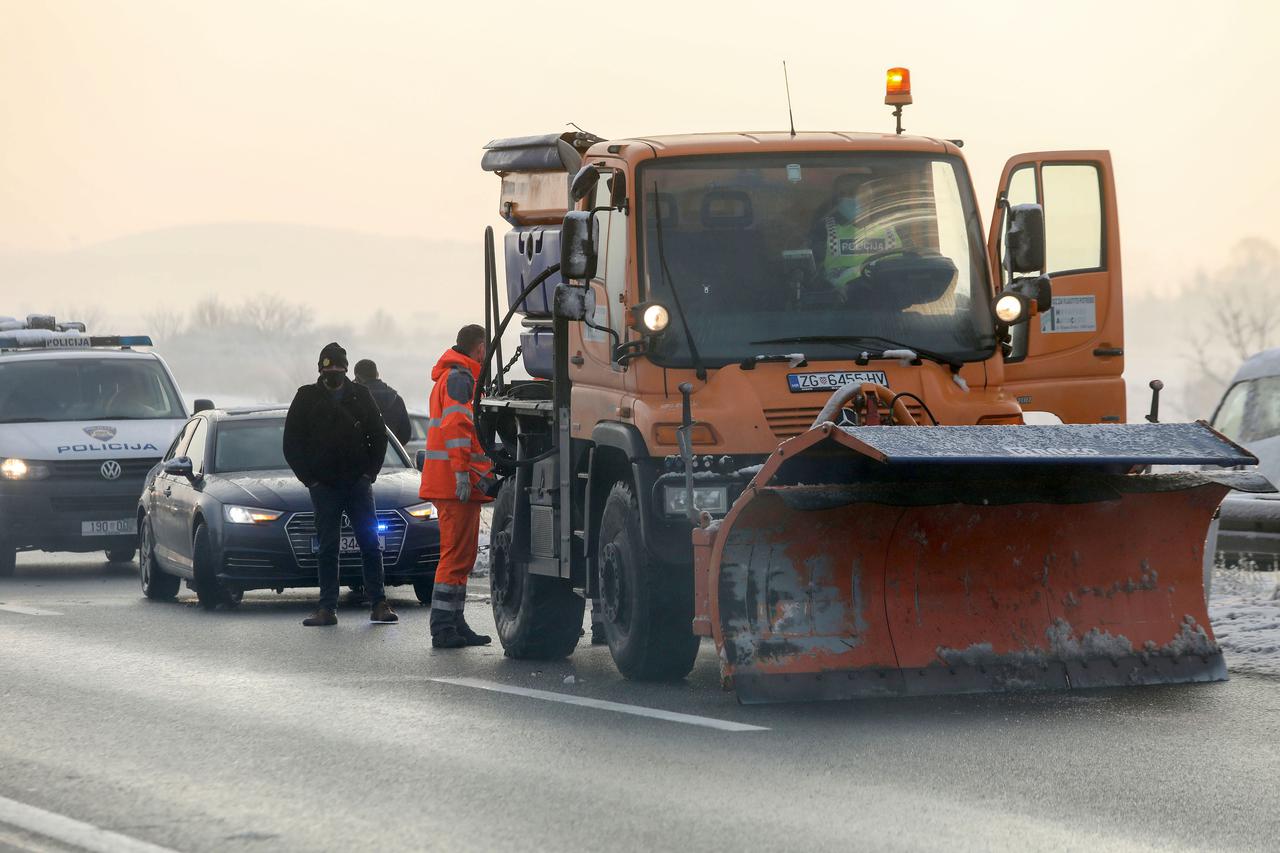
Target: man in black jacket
(389,401)
(335,441)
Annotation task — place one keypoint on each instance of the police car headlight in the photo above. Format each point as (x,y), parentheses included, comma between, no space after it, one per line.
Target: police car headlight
(712,499)
(423,511)
(1010,308)
(249,514)
(22,469)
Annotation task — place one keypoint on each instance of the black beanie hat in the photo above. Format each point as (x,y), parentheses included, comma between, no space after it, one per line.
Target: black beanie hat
(332,355)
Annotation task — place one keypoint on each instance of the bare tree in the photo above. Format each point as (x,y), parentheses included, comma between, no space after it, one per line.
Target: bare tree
(270,315)
(164,324)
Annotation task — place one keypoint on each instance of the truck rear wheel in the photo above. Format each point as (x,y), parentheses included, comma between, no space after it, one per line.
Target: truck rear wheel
(537,617)
(647,607)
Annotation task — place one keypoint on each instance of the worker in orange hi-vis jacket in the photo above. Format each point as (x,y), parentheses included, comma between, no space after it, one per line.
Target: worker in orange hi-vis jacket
(454,475)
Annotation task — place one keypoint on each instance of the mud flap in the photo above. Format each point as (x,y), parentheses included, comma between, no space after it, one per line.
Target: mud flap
(840,573)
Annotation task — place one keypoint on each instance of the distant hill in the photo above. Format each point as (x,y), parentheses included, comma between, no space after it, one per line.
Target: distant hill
(333,270)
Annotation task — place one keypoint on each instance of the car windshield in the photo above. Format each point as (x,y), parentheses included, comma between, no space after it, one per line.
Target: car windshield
(1250,411)
(771,246)
(86,389)
(258,445)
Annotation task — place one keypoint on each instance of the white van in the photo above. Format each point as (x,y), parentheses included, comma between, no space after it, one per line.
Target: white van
(82,420)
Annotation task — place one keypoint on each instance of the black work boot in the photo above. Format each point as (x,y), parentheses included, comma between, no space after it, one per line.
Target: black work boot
(382,614)
(472,638)
(447,637)
(322,617)
(598,637)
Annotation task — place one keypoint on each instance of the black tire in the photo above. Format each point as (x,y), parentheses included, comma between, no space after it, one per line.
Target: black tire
(8,559)
(647,607)
(423,589)
(121,554)
(538,617)
(157,584)
(209,590)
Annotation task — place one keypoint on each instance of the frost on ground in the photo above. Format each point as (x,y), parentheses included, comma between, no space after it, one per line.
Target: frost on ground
(1244,607)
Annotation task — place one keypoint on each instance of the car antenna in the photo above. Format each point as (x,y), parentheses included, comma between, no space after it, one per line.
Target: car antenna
(787,82)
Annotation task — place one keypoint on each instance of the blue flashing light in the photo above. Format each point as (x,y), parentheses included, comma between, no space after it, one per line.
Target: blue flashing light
(382,527)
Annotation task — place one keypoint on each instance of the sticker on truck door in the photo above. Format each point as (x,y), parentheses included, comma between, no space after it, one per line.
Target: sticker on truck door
(831,380)
(1070,314)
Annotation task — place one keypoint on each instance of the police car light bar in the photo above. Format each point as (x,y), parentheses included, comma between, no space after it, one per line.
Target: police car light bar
(44,339)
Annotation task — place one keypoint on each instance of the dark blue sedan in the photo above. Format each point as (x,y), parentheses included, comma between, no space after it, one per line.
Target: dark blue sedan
(223,511)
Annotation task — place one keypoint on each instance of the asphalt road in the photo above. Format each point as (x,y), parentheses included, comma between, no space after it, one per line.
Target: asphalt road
(244,731)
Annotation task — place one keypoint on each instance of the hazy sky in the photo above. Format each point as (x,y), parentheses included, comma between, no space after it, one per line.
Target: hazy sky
(118,117)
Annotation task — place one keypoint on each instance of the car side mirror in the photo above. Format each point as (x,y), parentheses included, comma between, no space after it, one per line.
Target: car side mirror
(180,467)
(578,245)
(202,405)
(420,459)
(1024,239)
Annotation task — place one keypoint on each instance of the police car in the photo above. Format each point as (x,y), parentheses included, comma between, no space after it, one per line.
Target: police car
(83,419)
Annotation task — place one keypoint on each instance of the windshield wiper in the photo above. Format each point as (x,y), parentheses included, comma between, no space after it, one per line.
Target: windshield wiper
(886,347)
(699,369)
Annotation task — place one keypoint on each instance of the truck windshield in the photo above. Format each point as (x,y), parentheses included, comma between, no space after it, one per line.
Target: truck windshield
(770,246)
(86,389)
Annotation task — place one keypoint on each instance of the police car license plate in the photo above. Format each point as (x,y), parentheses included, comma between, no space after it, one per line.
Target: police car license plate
(829,381)
(346,544)
(114,527)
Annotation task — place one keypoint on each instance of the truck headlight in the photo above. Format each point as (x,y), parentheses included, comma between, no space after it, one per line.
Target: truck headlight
(1010,308)
(22,469)
(423,511)
(650,317)
(712,499)
(249,514)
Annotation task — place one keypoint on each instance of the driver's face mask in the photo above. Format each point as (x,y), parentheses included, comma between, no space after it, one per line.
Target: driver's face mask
(332,379)
(848,208)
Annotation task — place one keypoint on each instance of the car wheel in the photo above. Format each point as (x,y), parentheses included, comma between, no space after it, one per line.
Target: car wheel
(423,590)
(209,590)
(8,559)
(647,607)
(537,617)
(121,554)
(157,584)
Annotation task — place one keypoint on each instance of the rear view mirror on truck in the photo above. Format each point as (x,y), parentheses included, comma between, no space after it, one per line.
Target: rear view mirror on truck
(578,245)
(584,182)
(1024,241)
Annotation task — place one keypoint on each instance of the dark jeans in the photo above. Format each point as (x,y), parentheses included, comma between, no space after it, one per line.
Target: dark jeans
(357,501)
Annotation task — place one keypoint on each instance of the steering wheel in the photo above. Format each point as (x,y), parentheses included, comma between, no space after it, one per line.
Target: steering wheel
(868,266)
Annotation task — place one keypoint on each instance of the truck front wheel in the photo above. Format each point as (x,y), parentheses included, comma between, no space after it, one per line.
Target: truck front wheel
(537,617)
(647,606)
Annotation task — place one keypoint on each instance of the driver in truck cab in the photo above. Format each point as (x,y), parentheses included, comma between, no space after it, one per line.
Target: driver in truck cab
(852,230)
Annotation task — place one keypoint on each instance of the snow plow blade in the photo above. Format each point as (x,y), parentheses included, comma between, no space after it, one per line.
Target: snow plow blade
(886,560)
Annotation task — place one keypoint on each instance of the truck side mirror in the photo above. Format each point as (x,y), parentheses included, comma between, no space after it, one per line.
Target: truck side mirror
(618,190)
(584,182)
(574,302)
(1024,239)
(1038,289)
(578,245)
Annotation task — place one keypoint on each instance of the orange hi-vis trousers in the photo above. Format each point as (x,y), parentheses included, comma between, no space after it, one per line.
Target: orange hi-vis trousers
(459,540)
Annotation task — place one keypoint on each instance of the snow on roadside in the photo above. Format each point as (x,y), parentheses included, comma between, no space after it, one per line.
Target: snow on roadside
(1244,607)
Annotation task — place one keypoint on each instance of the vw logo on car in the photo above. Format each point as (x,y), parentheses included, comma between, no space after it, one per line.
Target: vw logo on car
(110,470)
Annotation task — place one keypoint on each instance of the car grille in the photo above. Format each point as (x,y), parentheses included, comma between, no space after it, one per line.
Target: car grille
(237,563)
(130,469)
(122,505)
(788,423)
(302,526)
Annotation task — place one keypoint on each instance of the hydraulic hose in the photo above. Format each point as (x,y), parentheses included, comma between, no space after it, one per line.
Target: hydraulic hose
(897,411)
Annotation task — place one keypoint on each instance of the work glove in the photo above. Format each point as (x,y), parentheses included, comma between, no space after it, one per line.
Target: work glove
(462,485)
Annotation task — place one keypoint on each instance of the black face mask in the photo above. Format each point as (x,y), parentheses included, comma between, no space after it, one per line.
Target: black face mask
(332,380)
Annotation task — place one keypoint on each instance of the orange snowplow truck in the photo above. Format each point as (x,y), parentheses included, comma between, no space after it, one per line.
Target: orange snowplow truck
(779,384)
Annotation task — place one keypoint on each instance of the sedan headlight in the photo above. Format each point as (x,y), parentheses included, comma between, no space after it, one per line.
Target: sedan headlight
(22,469)
(423,511)
(712,499)
(249,514)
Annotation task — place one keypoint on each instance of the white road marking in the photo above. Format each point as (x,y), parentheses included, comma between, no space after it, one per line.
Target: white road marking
(602,705)
(70,831)
(28,611)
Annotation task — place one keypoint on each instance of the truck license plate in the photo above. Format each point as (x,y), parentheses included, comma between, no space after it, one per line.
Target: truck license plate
(113,527)
(346,544)
(831,380)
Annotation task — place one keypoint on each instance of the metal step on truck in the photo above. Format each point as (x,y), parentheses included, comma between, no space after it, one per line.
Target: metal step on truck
(778,398)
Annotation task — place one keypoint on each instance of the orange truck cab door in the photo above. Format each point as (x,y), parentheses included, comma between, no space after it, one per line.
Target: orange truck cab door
(1069,360)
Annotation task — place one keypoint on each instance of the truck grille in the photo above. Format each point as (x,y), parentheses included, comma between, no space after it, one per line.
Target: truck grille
(790,422)
(302,526)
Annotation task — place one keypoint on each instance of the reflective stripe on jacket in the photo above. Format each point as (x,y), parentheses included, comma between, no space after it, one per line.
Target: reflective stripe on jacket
(848,247)
(452,444)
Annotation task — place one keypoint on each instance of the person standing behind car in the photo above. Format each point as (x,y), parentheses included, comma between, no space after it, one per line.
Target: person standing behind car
(452,476)
(335,441)
(389,401)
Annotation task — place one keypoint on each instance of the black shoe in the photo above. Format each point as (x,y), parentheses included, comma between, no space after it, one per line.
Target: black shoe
(448,638)
(382,614)
(321,618)
(472,638)
(597,634)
